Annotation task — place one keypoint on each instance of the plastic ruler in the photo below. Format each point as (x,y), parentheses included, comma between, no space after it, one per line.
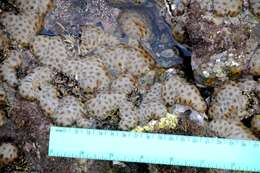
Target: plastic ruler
(155,148)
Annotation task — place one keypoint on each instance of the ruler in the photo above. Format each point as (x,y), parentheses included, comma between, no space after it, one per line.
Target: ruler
(154,148)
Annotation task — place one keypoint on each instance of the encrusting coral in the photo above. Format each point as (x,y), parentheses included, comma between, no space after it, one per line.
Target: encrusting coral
(152,110)
(134,25)
(39,7)
(8,153)
(124,84)
(2,106)
(93,37)
(103,104)
(153,93)
(177,90)
(50,51)
(91,74)
(230,7)
(255,124)
(255,7)
(68,111)
(111,80)
(126,59)
(9,67)
(112,71)
(2,96)
(23,26)
(255,63)
(4,41)
(231,103)
(30,85)
(231,129)
(48,99)
(234,100)
(2,118)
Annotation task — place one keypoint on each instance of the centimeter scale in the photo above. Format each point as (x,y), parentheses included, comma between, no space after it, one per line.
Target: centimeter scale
(154,148)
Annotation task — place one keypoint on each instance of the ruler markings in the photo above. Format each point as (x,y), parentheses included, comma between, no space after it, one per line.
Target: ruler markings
(155,148)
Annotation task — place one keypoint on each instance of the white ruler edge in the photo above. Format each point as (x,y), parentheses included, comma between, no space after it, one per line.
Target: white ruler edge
(155,148)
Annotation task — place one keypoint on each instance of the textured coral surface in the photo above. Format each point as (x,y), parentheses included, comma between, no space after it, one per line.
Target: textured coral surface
(116,65)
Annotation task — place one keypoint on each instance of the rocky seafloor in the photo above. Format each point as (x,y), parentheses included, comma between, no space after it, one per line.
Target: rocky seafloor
(187,67)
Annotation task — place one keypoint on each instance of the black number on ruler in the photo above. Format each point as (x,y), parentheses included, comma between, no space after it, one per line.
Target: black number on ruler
(207,141)
(232,165)
(81,153)
(124,135)
(171,160)
(202,162)
(136,135)
(194,140)
(51,151)
(111,155)
(170,138)
(256,145)
(160,137)
(231,143)
(219,141)
(60,130)
(243,144)
(88,132)
(112,133)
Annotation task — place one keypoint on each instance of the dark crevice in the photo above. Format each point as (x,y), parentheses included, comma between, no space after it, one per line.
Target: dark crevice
(187,68)
(6,5)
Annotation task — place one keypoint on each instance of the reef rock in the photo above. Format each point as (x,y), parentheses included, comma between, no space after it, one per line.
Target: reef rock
(222,37)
